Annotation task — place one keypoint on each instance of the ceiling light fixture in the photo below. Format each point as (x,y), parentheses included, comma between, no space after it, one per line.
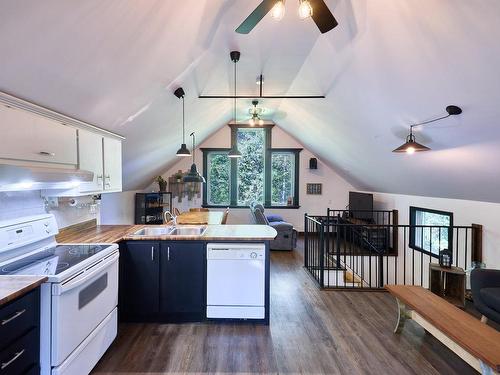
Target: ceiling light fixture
(183,151)
(305,9)
(234,152)
(255,112)
(411,145)
(193,175)
(278,11)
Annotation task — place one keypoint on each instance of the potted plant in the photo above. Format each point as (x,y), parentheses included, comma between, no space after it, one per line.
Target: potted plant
(162,183)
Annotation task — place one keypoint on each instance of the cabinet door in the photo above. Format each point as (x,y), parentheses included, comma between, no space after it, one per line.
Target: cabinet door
(182,280)
(90,158)
(112,164)
(29,137)
(139,278)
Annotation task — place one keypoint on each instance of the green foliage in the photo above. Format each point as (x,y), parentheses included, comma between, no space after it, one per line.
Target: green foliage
(251,143)
(219,186)
(250,172)
(282,177)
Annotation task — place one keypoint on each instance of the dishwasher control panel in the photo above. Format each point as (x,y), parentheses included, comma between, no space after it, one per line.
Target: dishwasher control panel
(236,251)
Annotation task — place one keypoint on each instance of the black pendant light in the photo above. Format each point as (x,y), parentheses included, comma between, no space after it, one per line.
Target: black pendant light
(183,151)
(234,152)
(411,145)
(193,175)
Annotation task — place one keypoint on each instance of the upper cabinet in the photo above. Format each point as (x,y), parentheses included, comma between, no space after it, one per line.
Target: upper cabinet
(90,158)
(31,138)
(34,136)
(103,156)
(112,164)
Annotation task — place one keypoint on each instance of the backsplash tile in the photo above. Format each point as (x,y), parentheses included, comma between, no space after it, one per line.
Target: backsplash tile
(27,203)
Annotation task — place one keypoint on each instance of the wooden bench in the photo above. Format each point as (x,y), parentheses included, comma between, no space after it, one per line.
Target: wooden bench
(476,343)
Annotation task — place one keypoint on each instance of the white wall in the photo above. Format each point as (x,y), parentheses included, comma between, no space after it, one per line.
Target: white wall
(118,208)
(335,188)
(26,203)
(465,212)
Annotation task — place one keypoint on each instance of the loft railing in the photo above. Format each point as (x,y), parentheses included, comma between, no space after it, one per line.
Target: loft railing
(340,254)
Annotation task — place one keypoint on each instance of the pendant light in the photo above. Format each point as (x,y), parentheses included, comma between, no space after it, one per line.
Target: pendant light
(411,145)
(234,152)
(193,175)
(278,10)
(183,151)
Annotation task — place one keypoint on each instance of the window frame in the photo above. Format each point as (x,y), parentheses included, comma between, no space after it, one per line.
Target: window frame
(267,170)
(412,234)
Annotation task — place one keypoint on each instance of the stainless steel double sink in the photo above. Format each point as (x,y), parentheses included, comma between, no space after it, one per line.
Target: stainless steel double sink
(188,230)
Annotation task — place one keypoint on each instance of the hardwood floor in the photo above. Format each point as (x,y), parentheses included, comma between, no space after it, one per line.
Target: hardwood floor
(311,332)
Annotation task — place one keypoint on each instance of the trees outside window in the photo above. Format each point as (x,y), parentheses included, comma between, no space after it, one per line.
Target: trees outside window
(429,239)
(263,174)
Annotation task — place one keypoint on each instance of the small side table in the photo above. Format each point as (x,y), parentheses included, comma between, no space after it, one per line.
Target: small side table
(448,283)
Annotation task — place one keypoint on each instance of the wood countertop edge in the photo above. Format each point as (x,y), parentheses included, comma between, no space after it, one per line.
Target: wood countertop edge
(108,234)
(17,292)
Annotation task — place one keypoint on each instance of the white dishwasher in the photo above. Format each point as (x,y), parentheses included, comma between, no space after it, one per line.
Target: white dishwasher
(236,280)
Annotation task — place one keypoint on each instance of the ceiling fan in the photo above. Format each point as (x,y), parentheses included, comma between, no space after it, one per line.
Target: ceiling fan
(316,9)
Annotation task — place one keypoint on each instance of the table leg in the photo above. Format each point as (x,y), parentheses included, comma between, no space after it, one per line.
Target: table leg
(403,314)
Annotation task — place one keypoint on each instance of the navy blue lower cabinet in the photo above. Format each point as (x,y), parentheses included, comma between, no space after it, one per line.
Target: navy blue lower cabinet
(139,285)
(182,281)
(20,335)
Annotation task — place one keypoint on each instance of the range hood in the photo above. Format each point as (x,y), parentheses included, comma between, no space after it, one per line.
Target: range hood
(15,177)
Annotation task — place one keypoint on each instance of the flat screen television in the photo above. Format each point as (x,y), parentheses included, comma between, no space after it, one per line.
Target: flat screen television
(363,202)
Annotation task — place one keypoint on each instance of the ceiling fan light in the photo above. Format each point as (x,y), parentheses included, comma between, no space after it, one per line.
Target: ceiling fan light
(251,122)
(305,9)
(278,11)
(261,122)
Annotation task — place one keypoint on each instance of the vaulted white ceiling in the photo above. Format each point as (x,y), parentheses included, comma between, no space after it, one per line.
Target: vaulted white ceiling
(389,63)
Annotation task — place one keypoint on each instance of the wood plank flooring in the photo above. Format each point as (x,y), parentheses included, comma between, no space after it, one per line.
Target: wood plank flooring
(311,332)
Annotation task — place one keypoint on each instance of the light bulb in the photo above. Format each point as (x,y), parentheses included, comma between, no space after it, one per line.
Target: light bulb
(305,9)
(261,122)
(278,11)
(251,122)
(410,150)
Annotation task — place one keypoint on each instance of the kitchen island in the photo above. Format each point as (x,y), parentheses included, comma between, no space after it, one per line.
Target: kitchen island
(170,278)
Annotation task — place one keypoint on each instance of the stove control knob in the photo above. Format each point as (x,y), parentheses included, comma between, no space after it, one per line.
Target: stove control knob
(253,255)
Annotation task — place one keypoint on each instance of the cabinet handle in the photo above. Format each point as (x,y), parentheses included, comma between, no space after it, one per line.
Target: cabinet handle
(152,253)
(46,153)
(16,315)
(108,176)
(168,253)
(16,356)
(99,177)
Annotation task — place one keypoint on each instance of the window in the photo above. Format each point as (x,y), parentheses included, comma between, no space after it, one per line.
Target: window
(251,166)
(263,174)
(219,171)
(282,177)
(435,234)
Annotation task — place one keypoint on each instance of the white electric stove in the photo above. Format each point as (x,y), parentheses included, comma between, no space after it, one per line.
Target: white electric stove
(79,300)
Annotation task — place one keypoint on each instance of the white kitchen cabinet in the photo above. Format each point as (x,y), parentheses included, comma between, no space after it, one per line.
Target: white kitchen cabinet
(112,149)
(31,138)
(90,158)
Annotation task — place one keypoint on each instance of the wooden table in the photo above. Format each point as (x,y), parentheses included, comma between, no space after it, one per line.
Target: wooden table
(476,343)
(200,218)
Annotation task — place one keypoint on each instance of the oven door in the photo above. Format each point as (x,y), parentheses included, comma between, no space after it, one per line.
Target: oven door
(80,304)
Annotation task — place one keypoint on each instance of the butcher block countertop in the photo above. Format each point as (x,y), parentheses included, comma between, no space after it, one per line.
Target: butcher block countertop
(12,287)
(117,233)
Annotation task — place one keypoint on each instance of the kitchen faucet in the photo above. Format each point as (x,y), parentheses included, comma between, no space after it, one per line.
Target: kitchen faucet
(172,216)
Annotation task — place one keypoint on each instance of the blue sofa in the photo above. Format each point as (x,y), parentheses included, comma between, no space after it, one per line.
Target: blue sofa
(287,236)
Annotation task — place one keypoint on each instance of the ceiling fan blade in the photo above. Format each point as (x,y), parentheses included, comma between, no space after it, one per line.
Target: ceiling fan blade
(322,16)
(254,18)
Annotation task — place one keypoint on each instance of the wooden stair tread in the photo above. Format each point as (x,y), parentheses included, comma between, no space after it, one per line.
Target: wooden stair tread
(479,339)
(350,277)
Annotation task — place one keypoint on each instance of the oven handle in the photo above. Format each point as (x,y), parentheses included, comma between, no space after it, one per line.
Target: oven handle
(87,275)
